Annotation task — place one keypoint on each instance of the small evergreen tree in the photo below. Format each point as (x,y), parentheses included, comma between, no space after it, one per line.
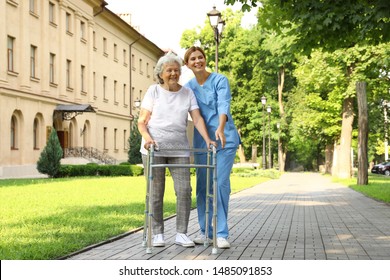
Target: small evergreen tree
(50,159)
(134,156)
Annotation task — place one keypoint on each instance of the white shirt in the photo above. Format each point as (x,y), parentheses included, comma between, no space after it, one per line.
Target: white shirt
(169,116)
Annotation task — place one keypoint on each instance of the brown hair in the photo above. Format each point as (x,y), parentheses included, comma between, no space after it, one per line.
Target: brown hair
(190,51)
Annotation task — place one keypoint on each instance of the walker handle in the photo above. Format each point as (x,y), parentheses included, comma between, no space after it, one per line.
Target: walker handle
(212,147)
(154,147)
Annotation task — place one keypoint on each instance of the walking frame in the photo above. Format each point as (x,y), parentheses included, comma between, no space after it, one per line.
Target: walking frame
(211,165)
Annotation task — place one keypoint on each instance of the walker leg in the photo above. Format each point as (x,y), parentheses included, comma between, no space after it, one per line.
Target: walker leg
(146,212)
(206,242)
(215,195)
(150,212)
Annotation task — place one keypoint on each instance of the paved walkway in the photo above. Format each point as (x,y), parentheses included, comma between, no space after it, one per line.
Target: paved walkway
(301,216)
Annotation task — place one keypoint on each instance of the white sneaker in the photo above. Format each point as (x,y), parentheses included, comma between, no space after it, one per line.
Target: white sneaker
(201,238)
(183,240)
(158,240)
(222,243)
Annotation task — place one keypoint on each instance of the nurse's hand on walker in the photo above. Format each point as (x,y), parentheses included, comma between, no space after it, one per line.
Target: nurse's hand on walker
(210,144)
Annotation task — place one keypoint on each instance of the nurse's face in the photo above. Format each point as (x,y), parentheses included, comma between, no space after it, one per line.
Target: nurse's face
(196,62)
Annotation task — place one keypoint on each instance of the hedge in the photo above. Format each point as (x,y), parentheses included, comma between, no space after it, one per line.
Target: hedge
(68,170)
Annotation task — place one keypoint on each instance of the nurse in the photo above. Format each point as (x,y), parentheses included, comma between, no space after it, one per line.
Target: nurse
(212,92)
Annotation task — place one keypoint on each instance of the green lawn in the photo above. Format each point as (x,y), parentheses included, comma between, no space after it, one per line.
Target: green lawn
(49,218)
(378,187)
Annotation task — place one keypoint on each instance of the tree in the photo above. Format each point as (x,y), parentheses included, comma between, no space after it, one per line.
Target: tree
(50,159)
(330,25)
(134,142)
(317,102)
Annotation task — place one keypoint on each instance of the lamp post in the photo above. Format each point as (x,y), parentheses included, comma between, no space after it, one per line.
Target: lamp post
(263,101)
(217,24)
(269,137)
(386,105)
(278,126)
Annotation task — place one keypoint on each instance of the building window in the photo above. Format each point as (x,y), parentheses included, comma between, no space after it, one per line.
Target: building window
(52,17)
(94,40)
(115,136)
(147,70)
(124,95)
(140,66)
(115,52)
(52,68)
(105,138)
(124,57)
(68,73)
(14,132)
(82,30)
(104,87)
(105,46)
(132,62)
(33,61)
(36,134)
(10,53)
(68,24)
(125,139)
(115,85)
(82,78)
(94,84)
(33,8)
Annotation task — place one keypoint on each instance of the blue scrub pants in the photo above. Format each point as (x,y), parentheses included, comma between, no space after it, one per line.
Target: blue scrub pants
(225,160)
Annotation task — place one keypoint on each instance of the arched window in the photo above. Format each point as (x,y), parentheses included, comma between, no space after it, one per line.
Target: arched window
(36,134)
(85,135)
(14,132)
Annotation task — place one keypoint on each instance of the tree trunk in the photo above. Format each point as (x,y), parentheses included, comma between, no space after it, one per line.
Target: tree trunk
(280,90)
(328,159)
(281,157)
(362,178)
(240,151)
(254,153)
(241,154)
(344,166)
(281,153)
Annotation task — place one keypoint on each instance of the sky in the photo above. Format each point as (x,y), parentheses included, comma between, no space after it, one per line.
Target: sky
(163,21)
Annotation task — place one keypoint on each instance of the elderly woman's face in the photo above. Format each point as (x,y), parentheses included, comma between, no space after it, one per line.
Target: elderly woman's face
(170,73)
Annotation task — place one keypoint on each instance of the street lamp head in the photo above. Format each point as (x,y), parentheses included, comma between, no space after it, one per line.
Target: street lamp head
(263,100)
(269,109)
(220,27)
(137,103)
(214,17)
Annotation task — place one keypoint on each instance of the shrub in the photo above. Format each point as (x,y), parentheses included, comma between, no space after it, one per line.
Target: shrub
(134,155)
(49,161)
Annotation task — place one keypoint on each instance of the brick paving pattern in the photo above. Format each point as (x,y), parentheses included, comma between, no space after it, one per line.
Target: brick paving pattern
(301,216)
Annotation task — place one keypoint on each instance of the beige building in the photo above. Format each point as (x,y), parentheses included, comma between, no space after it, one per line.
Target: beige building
(72,65)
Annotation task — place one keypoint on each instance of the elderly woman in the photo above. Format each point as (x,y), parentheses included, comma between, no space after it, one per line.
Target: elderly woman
(163,122)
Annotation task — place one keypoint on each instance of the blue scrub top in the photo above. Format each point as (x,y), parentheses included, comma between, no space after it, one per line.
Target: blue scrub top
(214,99)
